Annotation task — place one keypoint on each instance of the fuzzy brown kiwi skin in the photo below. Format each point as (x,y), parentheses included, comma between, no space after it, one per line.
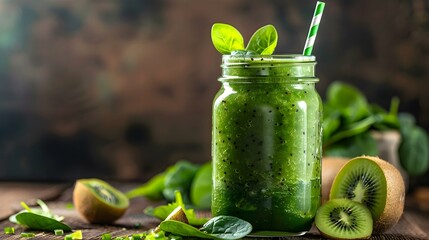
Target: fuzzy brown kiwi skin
(395,198)
(330,167)
(178,214)
(91,208)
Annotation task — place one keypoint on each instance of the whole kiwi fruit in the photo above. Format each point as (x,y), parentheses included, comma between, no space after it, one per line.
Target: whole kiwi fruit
(344,219)
(376,184)
(330,167)
(99,202)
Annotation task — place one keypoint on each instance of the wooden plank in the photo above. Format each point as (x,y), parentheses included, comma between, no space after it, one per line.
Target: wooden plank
(409,227)
(11,194)
(136,222)
(418,207)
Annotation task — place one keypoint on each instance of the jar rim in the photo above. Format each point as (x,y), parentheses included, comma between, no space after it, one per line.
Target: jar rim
(277,58)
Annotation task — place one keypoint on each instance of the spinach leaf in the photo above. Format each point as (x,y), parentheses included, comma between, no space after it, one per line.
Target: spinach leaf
(386,120)
(39,222)
(179,178)
(227,227)
(152,189)
(414,148)
(182,229)
(38,218)
(362,144)
(406,120)
(348,100)
(201,188)
(263,41)
(331,122)
(162,212)
(220,227)
(226,38)
(348,119)
(351,130)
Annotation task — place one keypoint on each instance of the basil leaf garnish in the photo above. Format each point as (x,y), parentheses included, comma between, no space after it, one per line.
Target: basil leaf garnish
(263,41)
(226,38)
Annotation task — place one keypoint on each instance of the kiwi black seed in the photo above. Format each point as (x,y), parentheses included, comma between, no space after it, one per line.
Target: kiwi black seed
(344,219)
(104,193)
(362,182)
(374,183)
(99,202)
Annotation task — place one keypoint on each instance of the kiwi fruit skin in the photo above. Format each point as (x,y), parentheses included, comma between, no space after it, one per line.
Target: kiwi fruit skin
(365,220)
(362,181)
(395,194)
(330,167)
(93,207)
(395,199)
(178,214)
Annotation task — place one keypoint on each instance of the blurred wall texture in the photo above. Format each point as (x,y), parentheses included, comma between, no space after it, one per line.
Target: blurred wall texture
(121,89)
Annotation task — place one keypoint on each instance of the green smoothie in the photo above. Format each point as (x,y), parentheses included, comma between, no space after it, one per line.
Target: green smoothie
(266,142)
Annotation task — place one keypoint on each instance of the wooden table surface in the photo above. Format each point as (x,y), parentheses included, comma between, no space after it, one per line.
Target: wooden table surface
(414,223)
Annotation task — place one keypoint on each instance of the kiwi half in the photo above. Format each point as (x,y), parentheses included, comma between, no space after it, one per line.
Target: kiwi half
(376,184)
(344,219)
(99,202)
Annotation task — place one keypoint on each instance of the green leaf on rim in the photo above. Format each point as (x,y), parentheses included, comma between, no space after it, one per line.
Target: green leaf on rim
(226,38)
(263,41)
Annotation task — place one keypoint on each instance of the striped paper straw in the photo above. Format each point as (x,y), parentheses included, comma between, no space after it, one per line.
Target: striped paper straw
(313,28)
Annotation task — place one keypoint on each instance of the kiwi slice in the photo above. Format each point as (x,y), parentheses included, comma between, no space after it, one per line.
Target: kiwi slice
(344,219)
(376,184)
(361,181)
(99,202)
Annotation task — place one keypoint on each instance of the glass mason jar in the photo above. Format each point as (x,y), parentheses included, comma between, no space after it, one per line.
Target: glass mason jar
(266,142)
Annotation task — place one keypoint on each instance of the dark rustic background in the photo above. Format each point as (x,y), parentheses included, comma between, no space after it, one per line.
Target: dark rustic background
(121,89)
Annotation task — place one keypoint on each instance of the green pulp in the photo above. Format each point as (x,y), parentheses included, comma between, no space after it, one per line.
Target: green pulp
(266,142)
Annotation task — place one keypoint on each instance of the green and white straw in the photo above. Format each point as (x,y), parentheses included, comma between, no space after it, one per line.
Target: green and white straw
(308,48)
